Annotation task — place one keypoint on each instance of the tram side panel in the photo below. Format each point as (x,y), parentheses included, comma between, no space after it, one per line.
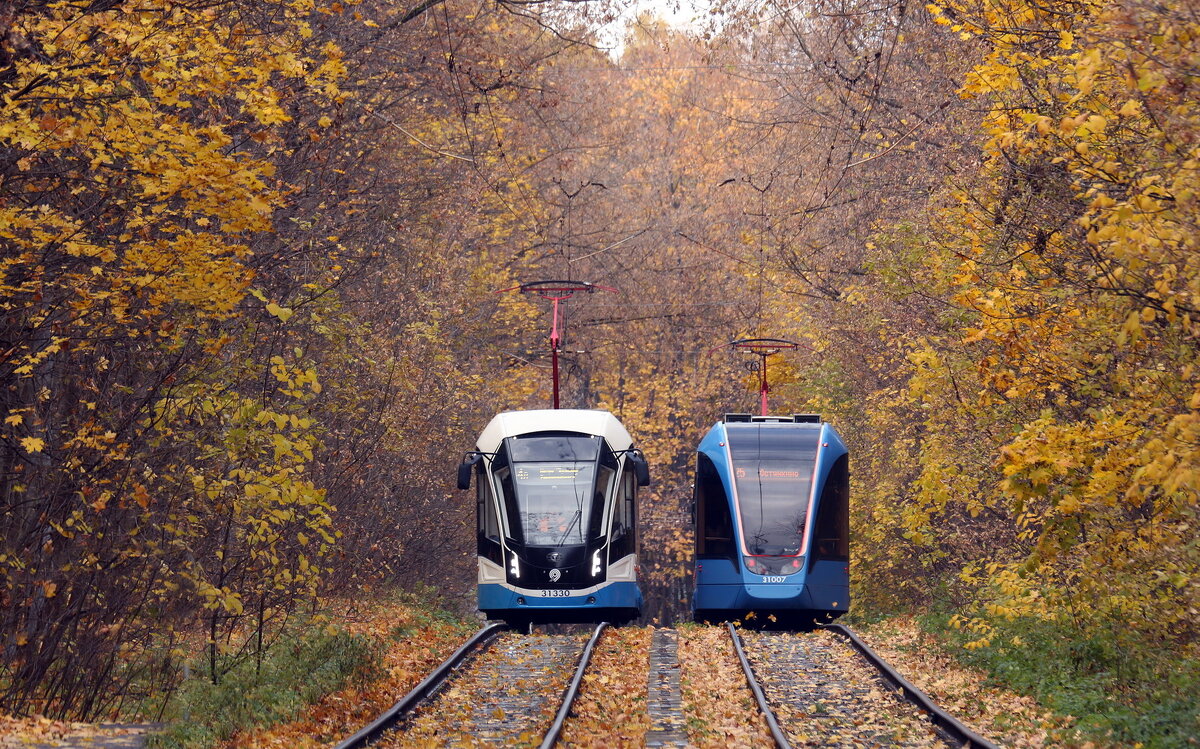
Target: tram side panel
(718,569)
(828,577)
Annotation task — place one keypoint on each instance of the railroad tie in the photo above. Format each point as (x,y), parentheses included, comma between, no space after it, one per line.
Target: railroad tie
(664,702)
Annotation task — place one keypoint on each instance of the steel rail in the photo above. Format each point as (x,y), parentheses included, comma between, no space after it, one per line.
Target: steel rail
(572,689)
(950,725)
(777,733)
(420,692)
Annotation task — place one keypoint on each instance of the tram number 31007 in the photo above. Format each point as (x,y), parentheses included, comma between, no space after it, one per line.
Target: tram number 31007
(773,578)
(559,593)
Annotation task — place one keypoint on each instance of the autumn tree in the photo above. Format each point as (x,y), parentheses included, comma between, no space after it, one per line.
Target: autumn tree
(228,295)
(1076,264)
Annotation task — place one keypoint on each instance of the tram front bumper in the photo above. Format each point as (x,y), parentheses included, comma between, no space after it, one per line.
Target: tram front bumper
(616,595)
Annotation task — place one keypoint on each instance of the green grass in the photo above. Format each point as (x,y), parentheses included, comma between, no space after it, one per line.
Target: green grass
(296,672)
(1120,691)
(424,614)
(307,663)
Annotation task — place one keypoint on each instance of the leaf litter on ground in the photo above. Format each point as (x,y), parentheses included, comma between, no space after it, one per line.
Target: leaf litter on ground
(717,701)
(610,710)
(1009,719)
(480,708)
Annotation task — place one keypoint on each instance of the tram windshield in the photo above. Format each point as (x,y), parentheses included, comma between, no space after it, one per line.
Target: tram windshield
(555,486)
(555,501)
(772,470)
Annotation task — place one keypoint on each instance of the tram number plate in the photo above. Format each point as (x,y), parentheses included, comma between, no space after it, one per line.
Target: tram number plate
(773,578)
(555,593)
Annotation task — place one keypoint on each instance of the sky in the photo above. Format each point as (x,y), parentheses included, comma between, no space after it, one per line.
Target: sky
(678,13)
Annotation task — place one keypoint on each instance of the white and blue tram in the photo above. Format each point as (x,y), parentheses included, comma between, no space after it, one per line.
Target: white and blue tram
(771,508)
(556,506)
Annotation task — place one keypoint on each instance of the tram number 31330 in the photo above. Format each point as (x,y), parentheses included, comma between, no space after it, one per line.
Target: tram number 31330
(773,578)
(562,593)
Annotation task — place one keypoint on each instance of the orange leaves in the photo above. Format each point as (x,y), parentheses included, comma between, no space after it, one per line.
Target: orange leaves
(38,730)
(610,710)
(1075,254)
(1010,719)
(141,496)
(99,503)
(719,705)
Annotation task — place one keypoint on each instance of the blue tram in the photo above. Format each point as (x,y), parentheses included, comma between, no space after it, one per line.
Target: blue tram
(556,504)
(772,520)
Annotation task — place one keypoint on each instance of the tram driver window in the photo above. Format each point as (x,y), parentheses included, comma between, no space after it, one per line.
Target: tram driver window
(488,545)
(832,532)
(489,526)
(512,514)
(714,525)
(624,541)
(603,483)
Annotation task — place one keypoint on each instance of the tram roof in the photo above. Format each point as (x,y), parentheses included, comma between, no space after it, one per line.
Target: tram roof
(516,423)
(736,429)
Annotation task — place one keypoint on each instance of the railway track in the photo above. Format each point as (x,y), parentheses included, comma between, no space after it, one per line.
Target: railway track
(827,688)
(499,686)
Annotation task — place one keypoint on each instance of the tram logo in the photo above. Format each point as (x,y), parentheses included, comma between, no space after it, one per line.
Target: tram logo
(554,556)
(555,575)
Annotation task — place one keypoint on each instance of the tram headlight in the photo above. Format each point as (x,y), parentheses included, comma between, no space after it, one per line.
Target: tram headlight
(513,566)
(596,563)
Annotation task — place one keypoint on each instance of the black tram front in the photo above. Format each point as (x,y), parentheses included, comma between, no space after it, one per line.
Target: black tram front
(557,518)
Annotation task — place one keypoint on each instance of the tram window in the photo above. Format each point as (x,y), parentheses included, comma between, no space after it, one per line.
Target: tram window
(488,527)
(772,469)
(831,535)
(551,447)
(489,524)
(631,508)
(714,539)
(792,442)
(624,520)
(503,472)
(550,502)
(599,501)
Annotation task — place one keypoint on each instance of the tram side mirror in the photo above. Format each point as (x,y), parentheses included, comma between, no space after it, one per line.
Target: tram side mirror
(465,468)
(641,468)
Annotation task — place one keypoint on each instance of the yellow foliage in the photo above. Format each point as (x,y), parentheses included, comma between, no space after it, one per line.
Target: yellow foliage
(1074,375)
(139,184)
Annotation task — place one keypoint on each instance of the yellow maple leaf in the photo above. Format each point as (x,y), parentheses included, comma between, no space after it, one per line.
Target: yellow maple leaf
(32,444)
(283,313)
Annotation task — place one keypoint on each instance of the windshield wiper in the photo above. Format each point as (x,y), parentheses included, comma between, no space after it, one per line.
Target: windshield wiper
(574,519)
